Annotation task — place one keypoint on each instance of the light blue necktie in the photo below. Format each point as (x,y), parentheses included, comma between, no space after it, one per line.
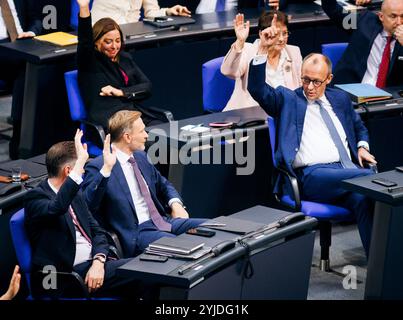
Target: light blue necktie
(344,158)
(220,6)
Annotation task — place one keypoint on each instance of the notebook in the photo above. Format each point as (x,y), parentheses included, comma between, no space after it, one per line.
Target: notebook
(234,225)
(169,21)
(362,92)
(59,38)
(176,245)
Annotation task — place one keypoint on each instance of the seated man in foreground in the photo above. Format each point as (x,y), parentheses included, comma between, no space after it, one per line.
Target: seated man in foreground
(137,202)
(62,231)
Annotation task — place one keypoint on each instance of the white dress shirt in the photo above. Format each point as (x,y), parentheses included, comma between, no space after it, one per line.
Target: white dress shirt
(274,77)
(83,247)
(140,205)
(317,145)
(375,57)
(3,29)
(207,6)
(125,11)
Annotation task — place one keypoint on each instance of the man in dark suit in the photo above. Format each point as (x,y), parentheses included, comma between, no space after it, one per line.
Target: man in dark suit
(321,140)
(24,22)
(375,53)
(137,200)
(62,231)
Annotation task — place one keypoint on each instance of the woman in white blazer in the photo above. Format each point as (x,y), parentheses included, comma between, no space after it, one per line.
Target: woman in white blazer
(284,61)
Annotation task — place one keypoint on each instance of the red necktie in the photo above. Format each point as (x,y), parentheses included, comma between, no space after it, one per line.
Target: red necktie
(384,65)
(155,216)
(77,224)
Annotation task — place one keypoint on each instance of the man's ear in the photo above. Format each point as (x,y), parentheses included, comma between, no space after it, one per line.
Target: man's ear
(66,170)
(329,78)
(380,16)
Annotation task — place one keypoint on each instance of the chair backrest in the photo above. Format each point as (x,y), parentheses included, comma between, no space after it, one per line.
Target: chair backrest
(76,104)
(75,9)
(21,244)
(272,133)
(217,88)
(334,51)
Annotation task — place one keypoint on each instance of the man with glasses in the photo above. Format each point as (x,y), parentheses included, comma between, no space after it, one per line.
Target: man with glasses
(321,139)
(375,53)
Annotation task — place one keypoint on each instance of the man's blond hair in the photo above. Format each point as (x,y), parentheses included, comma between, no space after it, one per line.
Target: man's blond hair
(121,122)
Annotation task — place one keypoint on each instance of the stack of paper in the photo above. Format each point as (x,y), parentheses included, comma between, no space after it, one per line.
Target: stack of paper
(59,38)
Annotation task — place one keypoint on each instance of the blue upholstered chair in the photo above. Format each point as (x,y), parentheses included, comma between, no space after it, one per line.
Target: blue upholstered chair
(217,88)
(24,256)
(78,113)
(334,51)
(75,9)
(325,213)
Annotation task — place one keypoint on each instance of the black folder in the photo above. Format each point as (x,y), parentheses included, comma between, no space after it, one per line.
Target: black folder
(234,225)
(169,21)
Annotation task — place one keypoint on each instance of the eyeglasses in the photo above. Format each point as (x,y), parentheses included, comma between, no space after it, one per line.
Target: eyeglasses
(316,83)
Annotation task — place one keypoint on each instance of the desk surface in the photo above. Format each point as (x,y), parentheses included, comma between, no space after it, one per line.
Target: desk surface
(39,52)
(364,185)
(168,129)
(37,165)
(166,273)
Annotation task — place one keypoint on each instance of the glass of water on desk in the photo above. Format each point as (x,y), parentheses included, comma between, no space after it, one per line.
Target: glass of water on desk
(16,174)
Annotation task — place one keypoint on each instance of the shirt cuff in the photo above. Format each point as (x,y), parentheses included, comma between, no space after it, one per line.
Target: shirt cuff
(99,255)
(175,200)
(75,177)
(364,144)
(104,174)
(259,59)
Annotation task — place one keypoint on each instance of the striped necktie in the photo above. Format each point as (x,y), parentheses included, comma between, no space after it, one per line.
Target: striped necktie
(344,158)
(8,20)
(155,216)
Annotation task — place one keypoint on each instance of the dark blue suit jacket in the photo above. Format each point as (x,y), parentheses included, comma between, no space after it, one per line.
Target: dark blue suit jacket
(50,227)
(112,203)
(353,64)
(29,13)
(289,107)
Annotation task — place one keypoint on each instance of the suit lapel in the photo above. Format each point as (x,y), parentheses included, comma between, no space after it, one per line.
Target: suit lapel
(395,54)
(119,176)
(51,194)
(301,111)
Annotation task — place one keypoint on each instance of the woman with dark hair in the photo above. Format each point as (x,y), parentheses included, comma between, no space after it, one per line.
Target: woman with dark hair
(108,78)
(283,61)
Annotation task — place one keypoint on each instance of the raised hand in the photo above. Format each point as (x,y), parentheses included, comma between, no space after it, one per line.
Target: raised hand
(83,3)
(241,30)
(14,286)
(268,37)
(82,153)
(109,156)
(84,8)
